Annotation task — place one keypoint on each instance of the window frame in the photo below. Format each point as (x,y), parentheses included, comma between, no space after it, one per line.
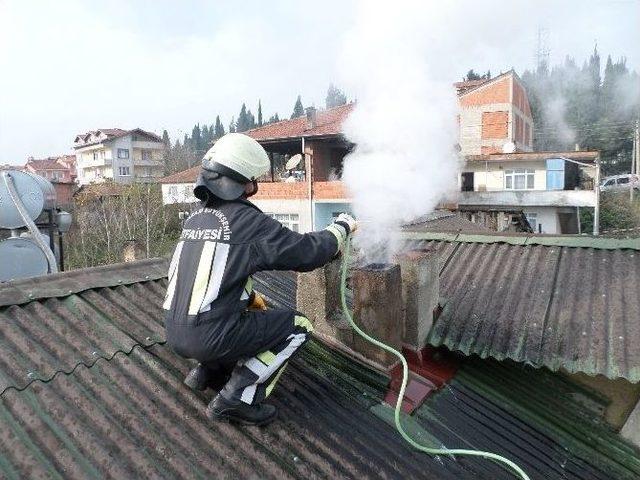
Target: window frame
(123,151)
(123,168)
(289,222)
(513,173)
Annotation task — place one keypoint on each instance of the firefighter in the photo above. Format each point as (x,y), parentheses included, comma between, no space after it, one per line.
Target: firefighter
(212,313)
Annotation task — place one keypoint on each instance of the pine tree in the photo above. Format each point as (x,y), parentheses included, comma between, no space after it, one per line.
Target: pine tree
(298,109)
(196,139)
(259,113)
(251,120)
(243,124)
(232,126)
(218,129)
(335,97)
(273,118)
(165,139)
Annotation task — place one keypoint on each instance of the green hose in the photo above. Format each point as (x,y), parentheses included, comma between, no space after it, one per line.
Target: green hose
(405,376)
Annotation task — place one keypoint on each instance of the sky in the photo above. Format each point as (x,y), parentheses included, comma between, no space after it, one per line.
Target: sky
(68,66)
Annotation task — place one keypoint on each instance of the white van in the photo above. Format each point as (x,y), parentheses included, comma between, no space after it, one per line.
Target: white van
(620,182)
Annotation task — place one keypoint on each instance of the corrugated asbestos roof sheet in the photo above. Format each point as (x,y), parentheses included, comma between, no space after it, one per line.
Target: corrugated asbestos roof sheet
(547,303)
(126,413)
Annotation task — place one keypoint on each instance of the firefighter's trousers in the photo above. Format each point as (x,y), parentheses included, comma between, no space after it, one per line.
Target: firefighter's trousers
(256,345)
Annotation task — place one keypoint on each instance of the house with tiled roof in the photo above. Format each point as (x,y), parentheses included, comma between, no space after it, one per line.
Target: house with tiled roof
(117,155)
(89,388)
(309,194)
(60,171)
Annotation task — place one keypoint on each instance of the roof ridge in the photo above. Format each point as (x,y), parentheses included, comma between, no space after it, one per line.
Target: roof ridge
(75,281)
(570,241)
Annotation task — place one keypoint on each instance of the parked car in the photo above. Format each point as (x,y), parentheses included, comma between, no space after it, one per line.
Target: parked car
(620,182)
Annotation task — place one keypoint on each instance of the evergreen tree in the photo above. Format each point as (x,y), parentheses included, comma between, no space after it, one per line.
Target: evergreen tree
(204,135)
(274,118)
(251,120)
(471,75)
(218,129)
(232,126)
(244,122)
(196,139)
(298,109)
(335,97)
(259,113)
(165,139)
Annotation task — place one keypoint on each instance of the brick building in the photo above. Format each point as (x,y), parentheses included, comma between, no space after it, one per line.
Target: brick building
(288,195)
(495,116)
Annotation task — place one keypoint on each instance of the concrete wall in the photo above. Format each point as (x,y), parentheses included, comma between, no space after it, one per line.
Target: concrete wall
(324,212)
(299,207)
(489,176)
(622,395)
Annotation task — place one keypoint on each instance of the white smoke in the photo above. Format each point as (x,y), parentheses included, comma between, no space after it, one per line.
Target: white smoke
(555,112)
(397,60)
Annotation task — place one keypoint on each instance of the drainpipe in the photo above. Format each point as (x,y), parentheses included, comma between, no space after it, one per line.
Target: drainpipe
(596,210)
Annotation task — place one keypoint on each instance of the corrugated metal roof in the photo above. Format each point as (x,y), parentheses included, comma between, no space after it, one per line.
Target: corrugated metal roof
(128,415)
(558,307)
(54,323)
(551,425)
(565,307)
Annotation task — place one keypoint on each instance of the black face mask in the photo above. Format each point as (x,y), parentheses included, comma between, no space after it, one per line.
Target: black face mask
(254,191)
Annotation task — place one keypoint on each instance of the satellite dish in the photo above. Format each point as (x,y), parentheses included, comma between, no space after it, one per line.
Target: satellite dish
(509,147)
(21,258)
(293,162)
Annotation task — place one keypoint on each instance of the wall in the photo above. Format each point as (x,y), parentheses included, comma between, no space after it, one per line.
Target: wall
(299,207)
(489,176)
(324,212)
(548,217)
(621,394)
(282,190)
(122,142)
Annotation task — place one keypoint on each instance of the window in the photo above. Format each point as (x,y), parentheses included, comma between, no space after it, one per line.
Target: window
(146,154)
(555,174)
(289,220)
(123,153)
(173,191)
(609,182)
(532,218)
(95,155)
(623,180)
(123,171)
(519,179)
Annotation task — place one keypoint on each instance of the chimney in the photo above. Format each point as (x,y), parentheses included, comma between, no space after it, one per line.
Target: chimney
(420,269)
(311,117)
(393,302)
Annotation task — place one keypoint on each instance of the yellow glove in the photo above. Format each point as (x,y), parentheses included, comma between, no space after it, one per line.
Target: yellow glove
(257,302)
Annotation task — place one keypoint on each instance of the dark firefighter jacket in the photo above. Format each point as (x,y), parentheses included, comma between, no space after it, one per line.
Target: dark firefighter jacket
(222,246)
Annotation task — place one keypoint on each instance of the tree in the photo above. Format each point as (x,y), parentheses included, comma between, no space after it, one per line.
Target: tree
(218,129)
(274,118)
(245,120)
(471,75)
(165,139)
(259,113)
(196,139)
(232,126)
(298,109)
(335,97)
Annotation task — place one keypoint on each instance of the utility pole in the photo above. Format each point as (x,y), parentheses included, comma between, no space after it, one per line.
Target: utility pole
(635,161)
(596,210)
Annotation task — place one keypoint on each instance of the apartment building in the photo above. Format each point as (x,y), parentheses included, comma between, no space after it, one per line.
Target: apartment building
(60,171)
(123,156)
(494,116)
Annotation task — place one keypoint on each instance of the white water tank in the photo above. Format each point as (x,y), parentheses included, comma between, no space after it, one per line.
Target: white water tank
(37,194)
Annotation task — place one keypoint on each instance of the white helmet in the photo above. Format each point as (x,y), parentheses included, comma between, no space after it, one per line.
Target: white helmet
(233,161)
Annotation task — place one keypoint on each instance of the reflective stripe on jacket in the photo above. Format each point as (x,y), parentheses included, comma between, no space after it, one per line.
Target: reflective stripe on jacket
(222,245)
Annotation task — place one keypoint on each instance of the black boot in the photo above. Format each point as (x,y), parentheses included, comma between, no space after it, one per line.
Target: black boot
(203,377)
(222,409)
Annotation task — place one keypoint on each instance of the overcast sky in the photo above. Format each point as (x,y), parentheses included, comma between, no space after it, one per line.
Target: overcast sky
(72,66)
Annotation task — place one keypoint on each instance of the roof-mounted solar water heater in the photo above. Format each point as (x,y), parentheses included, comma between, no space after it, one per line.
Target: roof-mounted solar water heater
(27,205)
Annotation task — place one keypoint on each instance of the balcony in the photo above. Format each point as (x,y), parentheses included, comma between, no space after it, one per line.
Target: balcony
(146,162)
(529,198)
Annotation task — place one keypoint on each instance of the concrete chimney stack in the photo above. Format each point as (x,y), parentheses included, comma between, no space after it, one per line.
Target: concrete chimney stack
(311,117)
(420,294)
(394,303)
